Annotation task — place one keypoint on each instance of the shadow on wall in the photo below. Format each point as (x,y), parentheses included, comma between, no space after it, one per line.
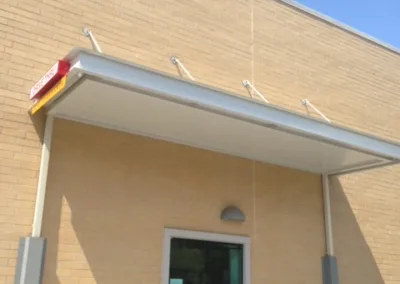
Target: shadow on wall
(91,237)
(91,229)
(104,217)
(96,250)
(356,264)
(109,258)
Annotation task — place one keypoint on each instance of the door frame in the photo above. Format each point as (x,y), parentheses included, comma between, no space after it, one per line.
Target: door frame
(170,233)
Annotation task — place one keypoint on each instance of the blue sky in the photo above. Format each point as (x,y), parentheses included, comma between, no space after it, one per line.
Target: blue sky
(377,18)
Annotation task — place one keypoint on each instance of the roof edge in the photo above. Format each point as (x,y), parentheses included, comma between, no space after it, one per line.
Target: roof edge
(330,21)
(88,64)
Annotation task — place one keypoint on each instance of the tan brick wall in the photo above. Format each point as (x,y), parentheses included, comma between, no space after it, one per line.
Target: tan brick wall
(110,229)
(288,54)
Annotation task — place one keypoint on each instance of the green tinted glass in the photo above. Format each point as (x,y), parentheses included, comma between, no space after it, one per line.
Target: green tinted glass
(204,262)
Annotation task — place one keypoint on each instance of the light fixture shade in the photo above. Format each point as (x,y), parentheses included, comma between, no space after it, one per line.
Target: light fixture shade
(232,213)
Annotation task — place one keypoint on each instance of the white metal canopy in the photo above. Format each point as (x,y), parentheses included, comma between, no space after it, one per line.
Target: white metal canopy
(108,92)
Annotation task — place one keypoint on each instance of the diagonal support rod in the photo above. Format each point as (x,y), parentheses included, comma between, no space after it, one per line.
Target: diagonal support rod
(251,89)
(175,60)
(88,33)
(306,103)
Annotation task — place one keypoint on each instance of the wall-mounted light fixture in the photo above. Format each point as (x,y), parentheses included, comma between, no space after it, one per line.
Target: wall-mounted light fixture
(232,213)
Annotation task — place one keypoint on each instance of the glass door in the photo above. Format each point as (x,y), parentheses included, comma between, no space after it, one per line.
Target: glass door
(205,262)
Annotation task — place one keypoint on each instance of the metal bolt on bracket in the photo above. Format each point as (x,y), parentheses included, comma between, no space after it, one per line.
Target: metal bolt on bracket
(88,33)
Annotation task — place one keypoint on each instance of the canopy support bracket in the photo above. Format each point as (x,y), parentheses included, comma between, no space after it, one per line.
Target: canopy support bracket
(252,90)
(88,33)
(306,103)
(175,60)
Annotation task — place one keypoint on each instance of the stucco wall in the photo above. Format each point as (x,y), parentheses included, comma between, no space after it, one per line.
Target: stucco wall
(287,54)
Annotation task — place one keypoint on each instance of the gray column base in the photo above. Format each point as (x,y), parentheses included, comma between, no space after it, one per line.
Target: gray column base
(329,270)
(30,260)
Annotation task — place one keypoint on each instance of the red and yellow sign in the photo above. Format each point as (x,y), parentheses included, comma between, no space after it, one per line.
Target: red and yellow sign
(49,95)
(59,70)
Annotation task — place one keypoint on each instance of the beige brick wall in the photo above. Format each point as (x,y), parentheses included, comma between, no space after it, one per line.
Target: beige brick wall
(288,54)
(110,229)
